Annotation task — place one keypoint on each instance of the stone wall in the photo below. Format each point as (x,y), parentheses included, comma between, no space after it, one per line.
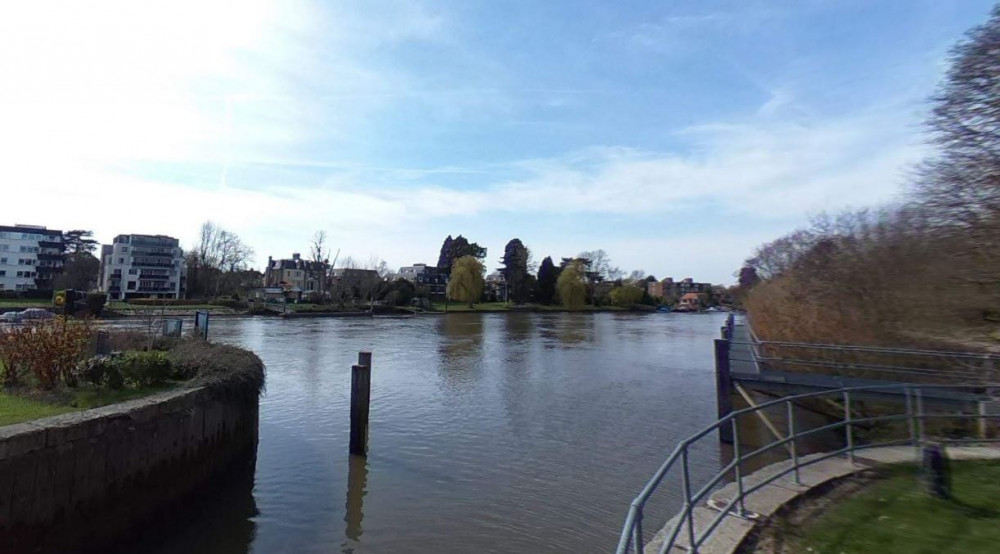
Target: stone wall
(84,481)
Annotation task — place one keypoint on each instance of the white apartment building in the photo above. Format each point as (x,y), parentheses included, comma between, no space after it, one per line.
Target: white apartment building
(30,258)
(143,266)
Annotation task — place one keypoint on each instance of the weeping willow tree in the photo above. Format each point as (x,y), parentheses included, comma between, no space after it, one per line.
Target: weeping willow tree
(466,282)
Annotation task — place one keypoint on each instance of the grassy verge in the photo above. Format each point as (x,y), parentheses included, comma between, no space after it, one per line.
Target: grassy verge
(503,307)
(24,303)
(127,308)
(14,409)
(897,515)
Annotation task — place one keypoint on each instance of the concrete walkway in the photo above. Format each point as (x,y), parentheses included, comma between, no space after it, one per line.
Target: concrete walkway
(733,530)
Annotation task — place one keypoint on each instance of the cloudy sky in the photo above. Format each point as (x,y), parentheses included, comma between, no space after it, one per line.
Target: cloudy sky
(674,135)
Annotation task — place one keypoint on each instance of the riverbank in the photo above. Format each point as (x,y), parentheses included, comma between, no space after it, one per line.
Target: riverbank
(104,475)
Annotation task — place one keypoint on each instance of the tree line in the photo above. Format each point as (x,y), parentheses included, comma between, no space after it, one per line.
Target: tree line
(925,270)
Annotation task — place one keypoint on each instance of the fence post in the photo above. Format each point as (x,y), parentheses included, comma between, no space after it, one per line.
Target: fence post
(791,437)
(848,428)
(361,380)
(688,506)
(912,420)
(723,387)
(738,458)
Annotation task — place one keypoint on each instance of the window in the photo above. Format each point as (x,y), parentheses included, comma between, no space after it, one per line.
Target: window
(3,273)
(121,260)
(4,247)
(3,260)
(133,271)
(20,274)
(131,285)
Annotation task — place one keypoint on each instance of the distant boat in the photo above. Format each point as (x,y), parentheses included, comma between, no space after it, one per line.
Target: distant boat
(664,309)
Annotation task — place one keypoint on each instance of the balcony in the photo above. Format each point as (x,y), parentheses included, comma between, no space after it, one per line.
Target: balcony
(51,244)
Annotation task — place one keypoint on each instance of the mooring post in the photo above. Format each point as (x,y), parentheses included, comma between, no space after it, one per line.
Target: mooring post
(723,387)
(361,389)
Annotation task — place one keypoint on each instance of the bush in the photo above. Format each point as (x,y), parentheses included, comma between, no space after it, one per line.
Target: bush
(226,370)
(261,310)
(230,303)
(164,302)
(48,349)
(143,369)
(125,340)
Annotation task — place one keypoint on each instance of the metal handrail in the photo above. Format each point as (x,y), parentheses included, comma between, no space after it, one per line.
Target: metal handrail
(632,538)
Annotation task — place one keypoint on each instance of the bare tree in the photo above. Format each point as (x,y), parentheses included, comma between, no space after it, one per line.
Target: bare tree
(320,255)
(217,251)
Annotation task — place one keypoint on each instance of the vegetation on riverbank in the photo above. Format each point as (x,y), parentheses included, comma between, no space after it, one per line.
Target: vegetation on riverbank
(50,367)
(925,272)
(897,515)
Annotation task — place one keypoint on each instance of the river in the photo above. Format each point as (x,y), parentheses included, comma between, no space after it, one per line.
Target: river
(489,433)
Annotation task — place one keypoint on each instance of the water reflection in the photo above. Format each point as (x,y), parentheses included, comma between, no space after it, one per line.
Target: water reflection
(357,481)
(220,521)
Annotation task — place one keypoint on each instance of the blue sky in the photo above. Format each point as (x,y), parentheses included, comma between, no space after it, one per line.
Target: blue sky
(674,135)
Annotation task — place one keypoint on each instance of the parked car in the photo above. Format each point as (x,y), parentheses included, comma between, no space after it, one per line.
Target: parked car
(35,313)
(10,317)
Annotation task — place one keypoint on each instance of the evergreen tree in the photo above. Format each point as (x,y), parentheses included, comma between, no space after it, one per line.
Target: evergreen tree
(444,258)
(515,270)
(548,274)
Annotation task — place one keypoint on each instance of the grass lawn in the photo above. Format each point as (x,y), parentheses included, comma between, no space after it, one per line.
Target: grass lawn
(25,303)
(14,409)
(463,307)
(503,307)
(897,515)
(127,308)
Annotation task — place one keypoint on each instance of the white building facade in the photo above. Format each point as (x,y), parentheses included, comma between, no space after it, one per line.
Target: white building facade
(31,257)
(143,266)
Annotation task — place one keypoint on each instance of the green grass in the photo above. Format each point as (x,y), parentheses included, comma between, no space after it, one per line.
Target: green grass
(85,397)
(127,308)
(897,515)
(464,307)
(25,303)
(14,409)
(503,307)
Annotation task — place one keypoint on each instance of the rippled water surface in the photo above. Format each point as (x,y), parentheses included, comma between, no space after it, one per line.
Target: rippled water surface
(489,432)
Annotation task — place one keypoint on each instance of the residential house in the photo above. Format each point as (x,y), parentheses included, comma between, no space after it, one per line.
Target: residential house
(690,302)
(143,266)
(495,287)
(348,283)
(655,289)
(296,276)
(676,289)
(427,279)
(30,258)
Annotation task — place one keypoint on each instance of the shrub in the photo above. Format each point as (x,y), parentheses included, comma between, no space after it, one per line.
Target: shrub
(142,369)
(226,370)
(165,302)
(230,303)
(125,340)
(101,371)
(48,349)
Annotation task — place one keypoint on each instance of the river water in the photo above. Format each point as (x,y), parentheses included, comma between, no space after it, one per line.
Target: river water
(489,433)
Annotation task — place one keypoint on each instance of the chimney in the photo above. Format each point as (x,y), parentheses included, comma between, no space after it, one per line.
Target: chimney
(296,256)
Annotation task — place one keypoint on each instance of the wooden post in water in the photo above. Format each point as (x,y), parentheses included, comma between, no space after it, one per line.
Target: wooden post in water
(361,390)
(723,388)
